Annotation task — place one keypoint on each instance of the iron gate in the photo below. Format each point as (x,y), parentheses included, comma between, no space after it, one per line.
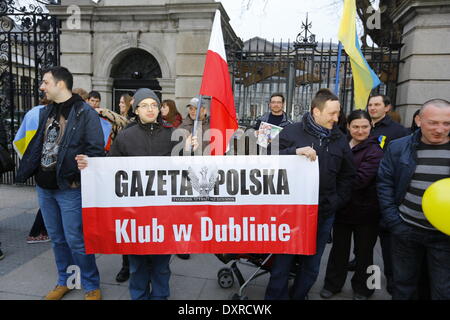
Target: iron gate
(298,70)
(29,43)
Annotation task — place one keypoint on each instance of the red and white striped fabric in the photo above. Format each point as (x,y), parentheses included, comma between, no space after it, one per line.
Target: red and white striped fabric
(217,84)
(168,205)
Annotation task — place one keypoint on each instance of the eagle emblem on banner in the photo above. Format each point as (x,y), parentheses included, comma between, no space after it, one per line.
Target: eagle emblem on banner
(205,184)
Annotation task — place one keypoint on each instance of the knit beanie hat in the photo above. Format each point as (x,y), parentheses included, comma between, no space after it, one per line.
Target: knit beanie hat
(142,94)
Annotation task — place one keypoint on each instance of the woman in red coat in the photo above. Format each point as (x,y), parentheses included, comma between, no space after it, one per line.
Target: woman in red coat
(360,217)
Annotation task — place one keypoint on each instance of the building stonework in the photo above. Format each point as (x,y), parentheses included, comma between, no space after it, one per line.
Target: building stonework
(175,32)
(425,71)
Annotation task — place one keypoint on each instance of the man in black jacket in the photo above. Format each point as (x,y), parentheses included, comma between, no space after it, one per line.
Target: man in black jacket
(147,138)
(315,136)
(276,115)
(383,125)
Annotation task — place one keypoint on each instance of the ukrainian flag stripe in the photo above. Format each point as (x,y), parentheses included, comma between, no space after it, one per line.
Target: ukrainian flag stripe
(27,131)
(363,76)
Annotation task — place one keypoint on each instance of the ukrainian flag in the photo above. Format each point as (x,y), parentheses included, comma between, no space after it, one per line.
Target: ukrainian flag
(27,131)
(364,78)
(29,127)
(106,128)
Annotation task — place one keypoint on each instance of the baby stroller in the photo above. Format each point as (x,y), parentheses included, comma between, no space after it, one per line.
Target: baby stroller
(263,262)
(225,276)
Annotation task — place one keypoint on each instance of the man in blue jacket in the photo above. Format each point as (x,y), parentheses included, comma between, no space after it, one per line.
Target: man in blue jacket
(410,165)
(67,127)
(315,136)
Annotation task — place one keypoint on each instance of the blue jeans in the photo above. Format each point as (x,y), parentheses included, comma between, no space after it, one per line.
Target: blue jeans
(149,270)
(61,210)
(305,273)
(410,245)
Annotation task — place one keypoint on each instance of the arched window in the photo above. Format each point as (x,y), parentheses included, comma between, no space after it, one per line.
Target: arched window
(133,69)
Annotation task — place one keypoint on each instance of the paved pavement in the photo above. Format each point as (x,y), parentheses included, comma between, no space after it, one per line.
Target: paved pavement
(28,271)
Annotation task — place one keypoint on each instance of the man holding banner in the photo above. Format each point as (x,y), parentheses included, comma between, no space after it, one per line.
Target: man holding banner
(148,138)
(315,136)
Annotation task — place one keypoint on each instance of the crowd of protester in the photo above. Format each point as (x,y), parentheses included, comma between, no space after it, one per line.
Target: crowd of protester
(372,175)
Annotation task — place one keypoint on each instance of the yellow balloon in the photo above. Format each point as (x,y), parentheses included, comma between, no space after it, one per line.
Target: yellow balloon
(436,205)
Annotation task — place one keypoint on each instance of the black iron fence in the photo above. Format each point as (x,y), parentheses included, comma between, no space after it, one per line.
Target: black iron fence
(299,69)
(29,43)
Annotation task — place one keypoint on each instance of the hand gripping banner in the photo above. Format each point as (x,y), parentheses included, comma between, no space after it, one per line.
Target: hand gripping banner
(210,204)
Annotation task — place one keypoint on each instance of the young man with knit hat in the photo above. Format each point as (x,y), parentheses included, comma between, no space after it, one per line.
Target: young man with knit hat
(147,138)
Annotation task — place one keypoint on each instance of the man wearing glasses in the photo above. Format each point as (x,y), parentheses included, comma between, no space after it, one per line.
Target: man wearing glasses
(276,115)
(147,138)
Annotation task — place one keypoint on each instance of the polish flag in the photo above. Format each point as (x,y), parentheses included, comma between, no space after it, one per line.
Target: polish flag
(217,84)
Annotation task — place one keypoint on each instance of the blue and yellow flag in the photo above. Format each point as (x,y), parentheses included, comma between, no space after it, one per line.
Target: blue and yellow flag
(26,131)
(364,78)
(29,127)
(106,128)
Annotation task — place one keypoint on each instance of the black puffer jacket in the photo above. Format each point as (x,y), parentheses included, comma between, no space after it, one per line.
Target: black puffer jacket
(336,167)
(143,140)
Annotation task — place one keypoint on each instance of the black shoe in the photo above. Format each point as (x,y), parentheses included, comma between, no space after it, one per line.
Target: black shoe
(184,256)
(351,265)
(358,296)
(1,254)
(123,275)
(389,285)
(326,294)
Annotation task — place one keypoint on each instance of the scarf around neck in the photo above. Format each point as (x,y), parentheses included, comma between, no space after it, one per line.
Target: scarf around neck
(316,129)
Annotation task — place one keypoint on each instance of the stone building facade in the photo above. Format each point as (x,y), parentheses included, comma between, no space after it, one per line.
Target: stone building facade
(425,71)
(115,45)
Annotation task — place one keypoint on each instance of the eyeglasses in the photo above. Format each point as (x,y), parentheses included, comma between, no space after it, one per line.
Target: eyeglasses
(149,106)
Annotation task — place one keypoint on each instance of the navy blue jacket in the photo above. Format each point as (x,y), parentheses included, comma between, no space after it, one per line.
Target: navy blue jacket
(390,129)
(336,167)
(394,175)
(265,118)
(83,135)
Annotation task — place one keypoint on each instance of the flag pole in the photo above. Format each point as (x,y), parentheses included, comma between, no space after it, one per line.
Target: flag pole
(338,70)
(197,116)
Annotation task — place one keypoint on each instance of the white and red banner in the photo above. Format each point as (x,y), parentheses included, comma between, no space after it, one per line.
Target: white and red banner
(211,204)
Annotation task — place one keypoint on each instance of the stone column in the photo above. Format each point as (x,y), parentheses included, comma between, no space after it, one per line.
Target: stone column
(192,44)
(104,86)
(76,39)
(425,73)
